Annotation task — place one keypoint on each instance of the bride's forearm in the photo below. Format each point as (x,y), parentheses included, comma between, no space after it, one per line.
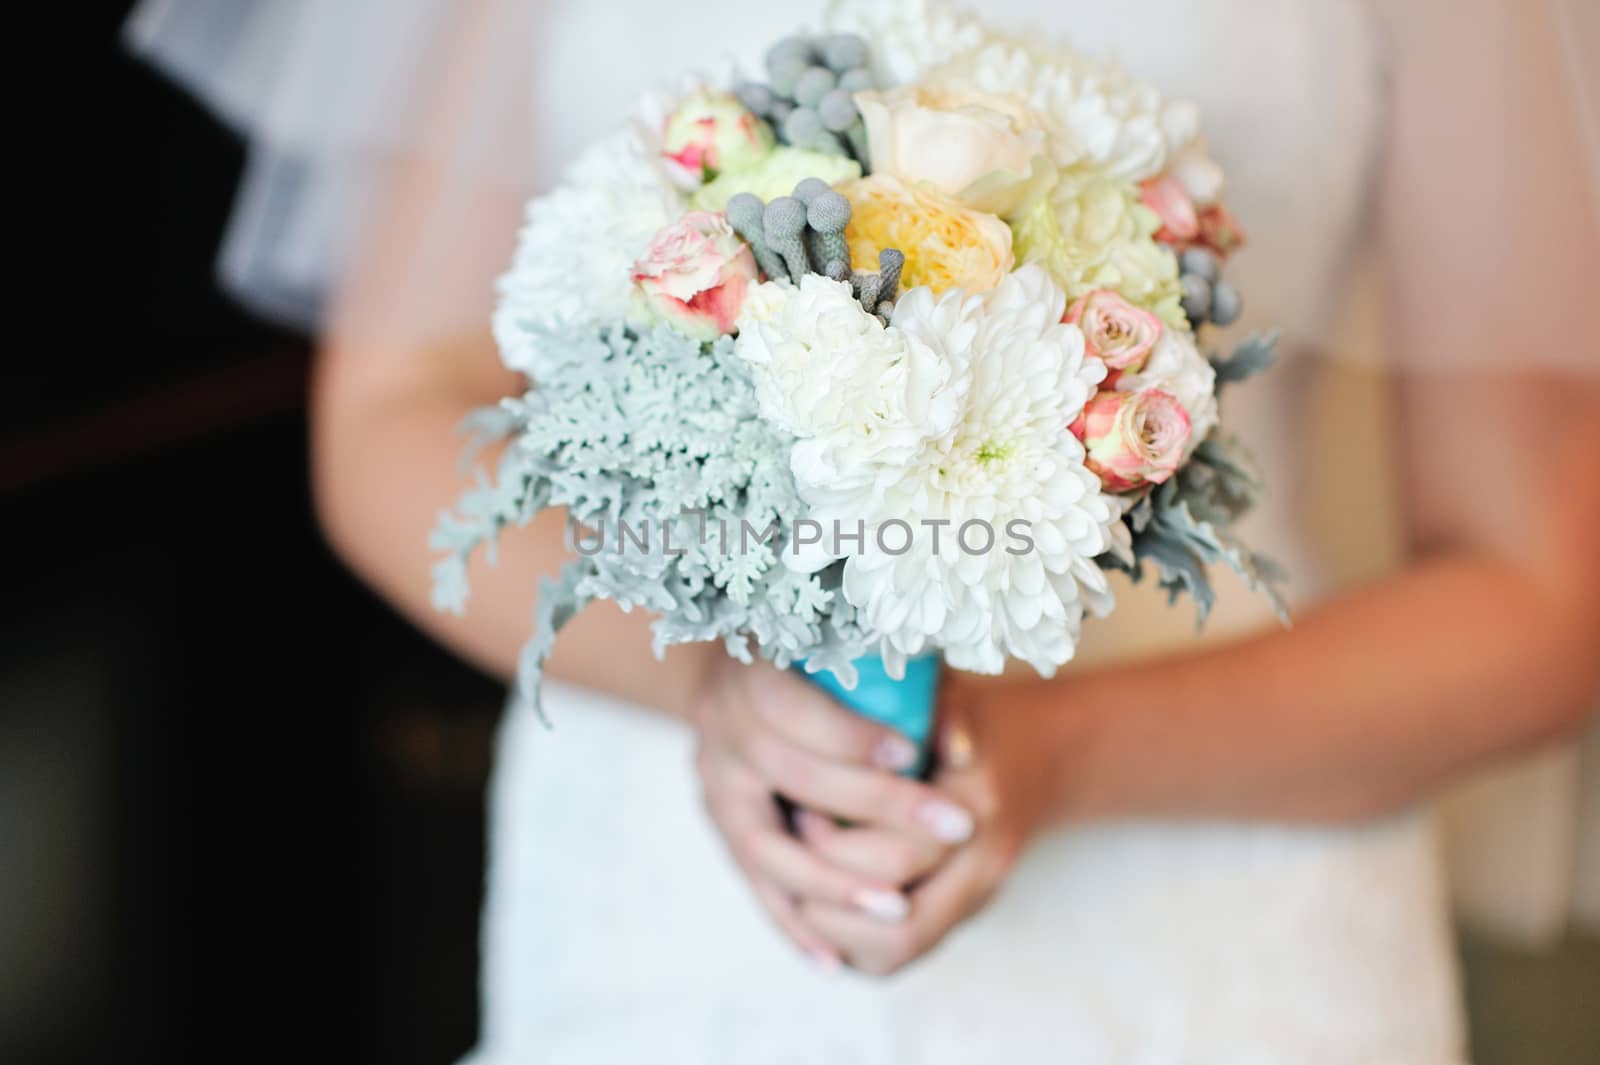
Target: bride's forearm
(1367,704)
(384,468)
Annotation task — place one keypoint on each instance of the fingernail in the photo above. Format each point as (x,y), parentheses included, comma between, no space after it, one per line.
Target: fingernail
(888,906)
(825,960)
(951,824)
(894,752)
(958,748)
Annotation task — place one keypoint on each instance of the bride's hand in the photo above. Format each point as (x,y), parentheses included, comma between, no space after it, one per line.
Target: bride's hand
(763,732)
(997,765)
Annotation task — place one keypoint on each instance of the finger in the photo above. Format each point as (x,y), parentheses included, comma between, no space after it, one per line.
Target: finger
(726,781)
(873,948)
(869,796)
(786,915)
(953,894)
(962,773)
(741,807)
(956,891)
(808,718)
(955,744)
(769,853)
(974,787)
(887,857)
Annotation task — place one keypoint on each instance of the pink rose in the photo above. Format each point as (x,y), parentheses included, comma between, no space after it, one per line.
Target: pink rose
(710,132)
(1133,438)
(1114,330)
(1166,196)
(1183,226)
(695,274)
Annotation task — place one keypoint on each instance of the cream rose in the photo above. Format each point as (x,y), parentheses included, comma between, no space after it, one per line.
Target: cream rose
(987,152)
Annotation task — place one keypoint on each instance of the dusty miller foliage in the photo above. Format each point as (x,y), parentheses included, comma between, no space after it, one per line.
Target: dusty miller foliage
(1186,524)
(647,430)
(650,430)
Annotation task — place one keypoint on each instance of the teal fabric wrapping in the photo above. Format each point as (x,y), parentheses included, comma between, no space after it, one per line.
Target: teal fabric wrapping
(908,706)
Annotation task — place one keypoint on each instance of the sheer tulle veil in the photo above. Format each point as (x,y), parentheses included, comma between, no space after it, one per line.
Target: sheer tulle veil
(332,98)
(332,95)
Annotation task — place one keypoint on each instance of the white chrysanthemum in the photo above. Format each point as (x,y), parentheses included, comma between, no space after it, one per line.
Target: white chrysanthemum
(578,243)
(908,37)
(1177,367)
(851,391)
(957,413)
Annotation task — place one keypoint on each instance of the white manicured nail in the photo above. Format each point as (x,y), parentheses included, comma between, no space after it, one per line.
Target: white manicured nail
(948,823)
(888,906)
(894,752)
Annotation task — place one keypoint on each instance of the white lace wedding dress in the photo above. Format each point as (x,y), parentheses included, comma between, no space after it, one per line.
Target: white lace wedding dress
(617,930)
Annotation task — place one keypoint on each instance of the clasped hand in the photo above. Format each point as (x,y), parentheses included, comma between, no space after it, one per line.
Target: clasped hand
(879,868)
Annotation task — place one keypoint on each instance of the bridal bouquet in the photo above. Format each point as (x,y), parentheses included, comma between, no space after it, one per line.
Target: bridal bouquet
(882,358)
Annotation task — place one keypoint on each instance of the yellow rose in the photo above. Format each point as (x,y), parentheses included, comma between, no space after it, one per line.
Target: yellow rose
(946,245)
(987,151)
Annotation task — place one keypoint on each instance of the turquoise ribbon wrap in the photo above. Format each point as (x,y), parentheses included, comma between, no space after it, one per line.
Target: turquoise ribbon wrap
(908,706)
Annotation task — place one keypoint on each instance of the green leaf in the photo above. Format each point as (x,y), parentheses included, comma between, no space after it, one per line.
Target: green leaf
(559,601)
(648,428)
(1254,354)
(1186,525)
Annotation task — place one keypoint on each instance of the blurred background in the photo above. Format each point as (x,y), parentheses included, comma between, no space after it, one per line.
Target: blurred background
(238,796)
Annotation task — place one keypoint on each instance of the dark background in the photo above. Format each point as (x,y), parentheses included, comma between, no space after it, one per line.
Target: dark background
(240,801)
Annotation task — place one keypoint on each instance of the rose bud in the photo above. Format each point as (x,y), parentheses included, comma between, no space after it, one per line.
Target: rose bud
(1133,438)
(1219,231)
(695,274)
(711,132)
(1114,330)
(1166,196)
